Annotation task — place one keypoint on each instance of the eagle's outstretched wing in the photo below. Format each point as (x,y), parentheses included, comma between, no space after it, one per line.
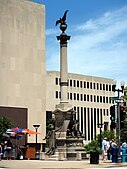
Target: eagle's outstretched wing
(63,19)
(64,16)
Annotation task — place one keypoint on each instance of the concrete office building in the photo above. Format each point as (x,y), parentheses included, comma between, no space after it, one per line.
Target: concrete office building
(89,96)
(22,64)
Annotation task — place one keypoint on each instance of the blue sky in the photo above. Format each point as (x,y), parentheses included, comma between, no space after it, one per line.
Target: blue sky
(98,30)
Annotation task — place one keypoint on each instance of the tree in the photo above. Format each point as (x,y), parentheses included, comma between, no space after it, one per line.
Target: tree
(125,93)
(5,124)
(95,144)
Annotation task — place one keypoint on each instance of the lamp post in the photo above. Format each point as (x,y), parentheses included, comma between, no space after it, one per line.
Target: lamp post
(100,126)
(36,126)
(118,114)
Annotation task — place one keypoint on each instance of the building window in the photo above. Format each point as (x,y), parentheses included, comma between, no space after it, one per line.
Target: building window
(103,99)
(85,123)
(88,98)
(106,87)
(100,99)
(88,115)
(98,116)
(90,85)
(81,119)
(74,96)
(104,112)
(95,123)
(77,96)
(94,98)
(84,84)
(91,98)
(81,97)
(74,83)
(100,86)
(97,98)
(84,97)
(81,84)
(77,83)
(70,96)
(60,95)
(107,112)
(70,82)
(101,116)
(57,95)
(97,86)
(106,99)
(103,86)
(94,86)
(110,101)
(92,127)
(77,118)
(87,85)
(56,81)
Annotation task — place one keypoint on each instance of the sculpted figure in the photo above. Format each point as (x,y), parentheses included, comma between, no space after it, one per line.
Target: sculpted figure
(63,19)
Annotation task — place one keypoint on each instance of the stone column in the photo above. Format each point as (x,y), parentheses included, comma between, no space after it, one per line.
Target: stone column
(63,64)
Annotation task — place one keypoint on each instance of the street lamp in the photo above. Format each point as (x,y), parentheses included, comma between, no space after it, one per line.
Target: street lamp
(118,113)
(100,126)
(36,126)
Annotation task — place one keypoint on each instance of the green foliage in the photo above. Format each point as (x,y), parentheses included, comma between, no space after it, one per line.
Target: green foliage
(108,134)
(125,93)
(92,146)
(5,124)
(95,144)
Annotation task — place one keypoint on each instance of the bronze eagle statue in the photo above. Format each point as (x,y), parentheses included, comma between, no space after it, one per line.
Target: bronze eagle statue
(63,19)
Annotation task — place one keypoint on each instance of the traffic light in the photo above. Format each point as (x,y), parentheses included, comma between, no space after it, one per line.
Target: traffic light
(112,117)
(122,117)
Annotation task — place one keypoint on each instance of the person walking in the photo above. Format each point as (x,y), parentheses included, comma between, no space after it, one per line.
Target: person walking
(8,149)
(124,144)
(108,150)
(104,149)
(114,150)
(1,152)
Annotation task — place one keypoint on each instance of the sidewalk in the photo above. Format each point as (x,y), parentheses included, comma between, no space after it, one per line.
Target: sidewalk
(40,164)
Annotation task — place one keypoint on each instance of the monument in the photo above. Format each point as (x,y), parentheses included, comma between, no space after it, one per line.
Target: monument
(66,132)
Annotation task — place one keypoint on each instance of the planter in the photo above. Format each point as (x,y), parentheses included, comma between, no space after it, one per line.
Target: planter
(94,157)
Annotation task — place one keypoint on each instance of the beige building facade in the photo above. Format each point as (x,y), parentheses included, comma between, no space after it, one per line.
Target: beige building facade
(89,96)
(22,61)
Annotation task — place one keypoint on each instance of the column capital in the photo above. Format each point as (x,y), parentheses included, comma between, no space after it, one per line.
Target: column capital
(63,38)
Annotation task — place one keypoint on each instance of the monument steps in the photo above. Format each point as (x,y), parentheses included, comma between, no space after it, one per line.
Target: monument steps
(54,157)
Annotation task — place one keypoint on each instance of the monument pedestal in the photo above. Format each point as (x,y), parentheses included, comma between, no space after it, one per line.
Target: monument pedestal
(67,145)
(70,148)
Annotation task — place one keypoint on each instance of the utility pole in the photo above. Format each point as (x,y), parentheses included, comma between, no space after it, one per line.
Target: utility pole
(118,115)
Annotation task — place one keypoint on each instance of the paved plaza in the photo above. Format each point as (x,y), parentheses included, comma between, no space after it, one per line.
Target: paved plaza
(40,164)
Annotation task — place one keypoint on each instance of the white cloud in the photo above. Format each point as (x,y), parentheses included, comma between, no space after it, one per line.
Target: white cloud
(97,47)
(51,32)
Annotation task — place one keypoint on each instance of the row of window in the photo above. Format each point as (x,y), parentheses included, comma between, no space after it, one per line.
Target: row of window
(84,84)
(85,97)
(89,119)
(104,112)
